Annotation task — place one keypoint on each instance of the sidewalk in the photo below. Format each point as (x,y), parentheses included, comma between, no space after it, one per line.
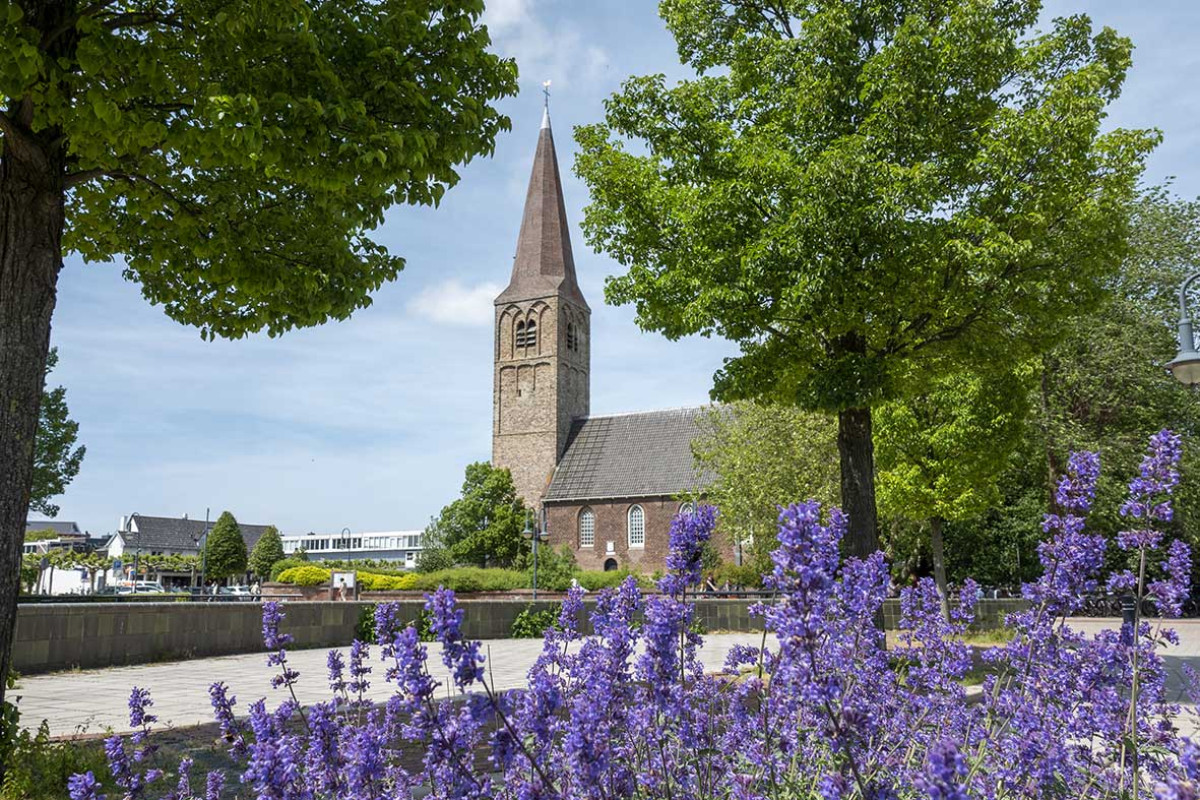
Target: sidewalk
(92,702)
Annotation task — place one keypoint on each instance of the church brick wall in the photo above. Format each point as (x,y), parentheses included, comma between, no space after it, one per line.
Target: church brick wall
(612,526)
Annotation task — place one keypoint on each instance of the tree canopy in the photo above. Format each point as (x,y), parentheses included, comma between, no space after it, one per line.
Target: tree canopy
(56,458)
(224,549)
(942,453)
(865,195)
(237,158)
(267,550)
(761,457)
(483,526)
(232,158)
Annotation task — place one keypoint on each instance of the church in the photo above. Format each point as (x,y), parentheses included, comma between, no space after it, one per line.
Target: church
(609,486)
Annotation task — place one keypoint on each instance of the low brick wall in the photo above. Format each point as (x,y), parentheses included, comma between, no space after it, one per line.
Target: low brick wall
(95,635)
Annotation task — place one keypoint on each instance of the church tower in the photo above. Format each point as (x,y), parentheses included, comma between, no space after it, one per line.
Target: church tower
(543,342)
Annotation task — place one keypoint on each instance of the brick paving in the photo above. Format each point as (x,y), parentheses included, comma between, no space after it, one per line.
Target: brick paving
(91,702)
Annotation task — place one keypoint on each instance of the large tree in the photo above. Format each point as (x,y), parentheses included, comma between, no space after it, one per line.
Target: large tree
(225,549)
(483,526)
(864,195)
(232,158)
(56,459)
(1102,388)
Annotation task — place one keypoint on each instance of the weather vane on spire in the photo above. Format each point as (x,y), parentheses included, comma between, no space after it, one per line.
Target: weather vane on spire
(546,91)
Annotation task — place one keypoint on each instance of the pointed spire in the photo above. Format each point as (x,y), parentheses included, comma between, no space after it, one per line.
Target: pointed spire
(544,265)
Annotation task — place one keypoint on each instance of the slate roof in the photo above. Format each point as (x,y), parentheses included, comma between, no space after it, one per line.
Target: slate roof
(543,265)
(644,454)
(171,533)
(59,527)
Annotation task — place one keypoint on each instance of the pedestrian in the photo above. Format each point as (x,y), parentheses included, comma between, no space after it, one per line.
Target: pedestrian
(256,590)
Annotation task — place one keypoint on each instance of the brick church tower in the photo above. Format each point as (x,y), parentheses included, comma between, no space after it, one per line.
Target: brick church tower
(543,337)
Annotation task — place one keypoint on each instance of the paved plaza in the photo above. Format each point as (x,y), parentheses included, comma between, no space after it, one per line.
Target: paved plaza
(92,702)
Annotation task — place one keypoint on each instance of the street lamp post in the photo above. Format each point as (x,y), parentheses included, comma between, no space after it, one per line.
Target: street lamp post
(1186,365)
(536,532)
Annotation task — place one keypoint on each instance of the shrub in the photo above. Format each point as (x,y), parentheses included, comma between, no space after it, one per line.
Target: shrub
(374,582)
(37,768)
(435,559)
(473,579)
(307,575)
(745,576)
(556,568)
(595,580)
(533,624)
(283,565)
(822,712)
(364,629)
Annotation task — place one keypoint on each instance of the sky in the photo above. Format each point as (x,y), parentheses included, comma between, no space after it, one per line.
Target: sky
(369,423)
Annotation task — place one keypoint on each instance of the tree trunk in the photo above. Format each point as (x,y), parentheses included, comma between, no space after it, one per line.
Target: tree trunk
(856,450)
(939,563)
(31,229)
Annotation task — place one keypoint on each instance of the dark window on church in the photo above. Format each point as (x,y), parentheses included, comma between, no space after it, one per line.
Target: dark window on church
(572,342)
(520,340)
(531,334)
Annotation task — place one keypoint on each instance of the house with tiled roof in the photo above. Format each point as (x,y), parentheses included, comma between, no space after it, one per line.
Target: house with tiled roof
(168,536)
(609,486)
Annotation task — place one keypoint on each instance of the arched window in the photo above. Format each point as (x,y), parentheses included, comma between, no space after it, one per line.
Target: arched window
(587,528)
(531,334)
(520,340)
(637,527)
(572,340)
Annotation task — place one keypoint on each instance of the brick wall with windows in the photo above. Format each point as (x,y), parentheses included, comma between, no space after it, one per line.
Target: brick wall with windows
(610,531)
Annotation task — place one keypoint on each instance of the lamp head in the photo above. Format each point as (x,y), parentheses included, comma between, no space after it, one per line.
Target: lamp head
(1186,365)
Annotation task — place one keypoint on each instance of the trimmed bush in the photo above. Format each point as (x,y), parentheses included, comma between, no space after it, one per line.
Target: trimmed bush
(595,580)
(307,575)
(530,624)
(376,582)
(473,579)
(283,565)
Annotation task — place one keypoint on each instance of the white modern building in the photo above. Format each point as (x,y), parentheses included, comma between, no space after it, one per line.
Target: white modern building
(402,547)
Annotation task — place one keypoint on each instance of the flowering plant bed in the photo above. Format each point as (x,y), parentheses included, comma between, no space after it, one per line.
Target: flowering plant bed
(820,710)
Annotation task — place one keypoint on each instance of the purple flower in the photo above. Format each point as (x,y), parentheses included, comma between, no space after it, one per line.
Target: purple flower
(460,656)
(84,787)
(690,532)
(272,615)
(943,775)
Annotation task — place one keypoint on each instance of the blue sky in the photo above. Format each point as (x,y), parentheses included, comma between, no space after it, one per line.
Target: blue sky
(368,423)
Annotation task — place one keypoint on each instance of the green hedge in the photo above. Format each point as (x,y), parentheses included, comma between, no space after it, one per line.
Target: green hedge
(307,575)
(473,579)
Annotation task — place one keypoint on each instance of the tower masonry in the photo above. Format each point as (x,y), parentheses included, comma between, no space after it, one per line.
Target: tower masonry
(543,338)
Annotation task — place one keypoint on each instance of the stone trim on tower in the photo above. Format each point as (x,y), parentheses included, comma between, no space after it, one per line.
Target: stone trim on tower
(542,337)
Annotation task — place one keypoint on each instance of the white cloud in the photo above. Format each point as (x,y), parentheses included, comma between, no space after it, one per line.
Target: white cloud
(558,51)
(500,15)
(454,303)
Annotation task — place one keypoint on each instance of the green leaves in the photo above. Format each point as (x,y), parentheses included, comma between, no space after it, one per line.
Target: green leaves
(237,159)
(224,549)
(864,195)
(56,458)
(483,526)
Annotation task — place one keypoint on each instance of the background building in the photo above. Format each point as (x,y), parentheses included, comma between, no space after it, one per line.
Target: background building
(402,547)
